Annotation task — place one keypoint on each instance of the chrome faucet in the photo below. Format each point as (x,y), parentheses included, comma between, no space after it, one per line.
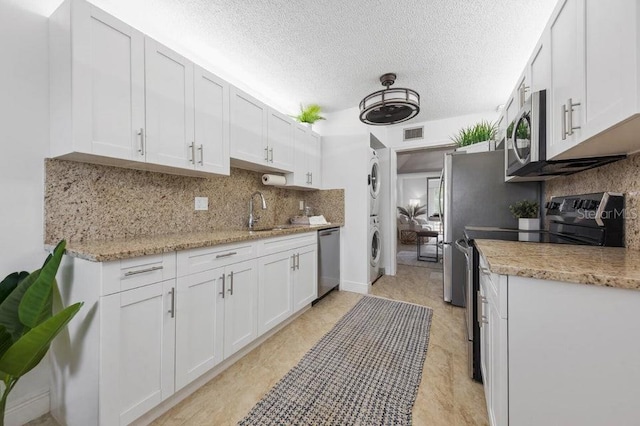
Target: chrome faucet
(252,219)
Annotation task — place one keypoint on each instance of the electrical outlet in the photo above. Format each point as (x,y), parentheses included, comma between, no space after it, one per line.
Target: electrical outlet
(301,205)
(202,203)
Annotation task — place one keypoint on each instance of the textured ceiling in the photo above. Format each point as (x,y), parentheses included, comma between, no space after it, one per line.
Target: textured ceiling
(462,56)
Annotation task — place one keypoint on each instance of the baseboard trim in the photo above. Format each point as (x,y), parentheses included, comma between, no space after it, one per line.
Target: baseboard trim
(27,409)
(354,287)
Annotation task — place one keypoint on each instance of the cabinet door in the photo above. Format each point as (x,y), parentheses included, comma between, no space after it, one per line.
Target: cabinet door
(611,46)
(137,352)
(211,96)
(498,368)
(169,96)
(301,175)
(315,160)
(275,275)
(199,324)
(107,104)
(240,319)
(280,141)
(305,284)
(567,76)
(248,137)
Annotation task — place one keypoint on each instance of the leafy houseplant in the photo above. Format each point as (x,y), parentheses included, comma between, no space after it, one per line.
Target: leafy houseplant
(310,114)
(27,323)
(411,211)
(524,209)
(527,214)
(480,132)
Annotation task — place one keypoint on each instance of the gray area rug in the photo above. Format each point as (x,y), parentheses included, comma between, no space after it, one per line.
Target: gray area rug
(365,371)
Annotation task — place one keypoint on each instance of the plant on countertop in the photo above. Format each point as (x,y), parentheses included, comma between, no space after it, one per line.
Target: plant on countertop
(480,132)
(310,114)
(411,211)
(27,323)
(524,209)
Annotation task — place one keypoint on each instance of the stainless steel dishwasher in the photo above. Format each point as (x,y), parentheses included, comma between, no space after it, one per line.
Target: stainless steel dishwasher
(328,261)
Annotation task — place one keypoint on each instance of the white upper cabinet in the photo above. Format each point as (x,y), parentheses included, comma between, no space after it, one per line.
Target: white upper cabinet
(211,145)
(307,164)
(248,128)
(567,77)
(97,84)
(169,96)
(280,140)
(595,107)
(123,99)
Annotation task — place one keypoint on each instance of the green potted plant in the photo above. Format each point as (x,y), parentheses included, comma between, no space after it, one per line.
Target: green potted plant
(27,322)
(310,114)
(480,135)
(527,214)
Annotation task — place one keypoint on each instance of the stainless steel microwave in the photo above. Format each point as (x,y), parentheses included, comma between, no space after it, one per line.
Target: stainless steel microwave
(526,145)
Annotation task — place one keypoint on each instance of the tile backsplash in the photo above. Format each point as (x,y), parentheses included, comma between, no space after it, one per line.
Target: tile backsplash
(622,177)
(93,202)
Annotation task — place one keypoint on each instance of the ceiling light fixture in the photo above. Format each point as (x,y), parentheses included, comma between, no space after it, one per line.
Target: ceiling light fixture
(389,106)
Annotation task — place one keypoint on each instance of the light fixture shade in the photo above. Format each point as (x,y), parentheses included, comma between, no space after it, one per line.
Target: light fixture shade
(389,106)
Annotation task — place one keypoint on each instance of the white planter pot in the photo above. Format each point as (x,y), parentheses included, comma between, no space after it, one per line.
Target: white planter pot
(478,147)
(529,225)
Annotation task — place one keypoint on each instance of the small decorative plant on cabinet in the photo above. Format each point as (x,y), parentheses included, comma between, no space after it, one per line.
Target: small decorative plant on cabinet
(480,135)
(527,214)
(310,114)
(27,322)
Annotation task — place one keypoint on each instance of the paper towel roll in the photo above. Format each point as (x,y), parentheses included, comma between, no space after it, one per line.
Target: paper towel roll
(274,180)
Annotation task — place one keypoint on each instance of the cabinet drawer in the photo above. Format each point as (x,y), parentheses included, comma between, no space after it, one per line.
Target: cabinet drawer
(127,274)
(204,259)
(289,242)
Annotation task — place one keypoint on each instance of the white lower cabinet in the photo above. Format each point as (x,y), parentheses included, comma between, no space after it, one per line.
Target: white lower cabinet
(240,319)
(199,325)
(287,283)
(305,283)
(137,351)
(156,323)
(274,289)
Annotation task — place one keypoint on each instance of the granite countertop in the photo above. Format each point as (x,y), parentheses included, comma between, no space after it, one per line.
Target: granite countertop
(602,266)
(107,250)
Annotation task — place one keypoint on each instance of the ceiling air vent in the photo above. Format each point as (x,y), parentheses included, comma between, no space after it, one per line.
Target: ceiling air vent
(413,133)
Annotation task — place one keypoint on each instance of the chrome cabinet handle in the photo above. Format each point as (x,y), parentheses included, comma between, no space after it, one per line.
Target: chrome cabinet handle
(271,153)
(192,147)
(142,271)
(266,153)
(563,122)
(485,270)
(172,311)
(223,285)
(523,92)
(201,155)
(570,127)
(311,178)
(231,283)
(298,261)
(141,134)
(293,261)
(231,253)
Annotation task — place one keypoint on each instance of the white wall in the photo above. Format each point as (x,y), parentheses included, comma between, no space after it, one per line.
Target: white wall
(345,162)
(436,132)
(24,141)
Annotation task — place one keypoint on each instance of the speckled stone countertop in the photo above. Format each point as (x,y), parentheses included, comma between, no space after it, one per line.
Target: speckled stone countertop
(107,250)
(602,266)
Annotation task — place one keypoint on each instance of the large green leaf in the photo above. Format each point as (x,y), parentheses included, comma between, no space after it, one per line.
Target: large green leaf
(5,340)
(29,350)
(35,306)
(9,318)
(10,282)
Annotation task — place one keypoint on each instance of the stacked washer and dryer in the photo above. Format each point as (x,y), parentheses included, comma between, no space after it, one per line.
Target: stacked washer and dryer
(375,243)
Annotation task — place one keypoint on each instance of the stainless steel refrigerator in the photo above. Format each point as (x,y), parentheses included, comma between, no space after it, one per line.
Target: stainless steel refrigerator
(474,194)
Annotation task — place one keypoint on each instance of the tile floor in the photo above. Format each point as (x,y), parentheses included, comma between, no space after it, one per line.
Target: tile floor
(446,396)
